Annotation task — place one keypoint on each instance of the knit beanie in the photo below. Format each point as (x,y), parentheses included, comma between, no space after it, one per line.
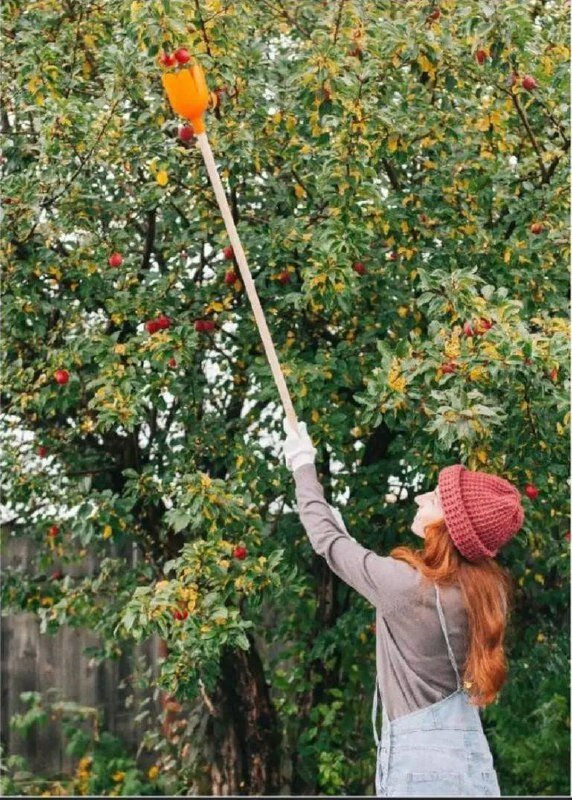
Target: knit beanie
(482,512)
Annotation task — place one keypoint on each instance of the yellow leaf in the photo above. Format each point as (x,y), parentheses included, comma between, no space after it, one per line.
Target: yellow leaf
(303,391)
(315,415)
(539,578)
(541,637)
(299,190)
(107,531)
(477,373)
(482,456)
(162,177)
(239,462)
(483,124)
(402,311)
(392,143)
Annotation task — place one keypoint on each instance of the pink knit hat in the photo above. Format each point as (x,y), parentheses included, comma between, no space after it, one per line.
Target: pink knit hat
(482,512)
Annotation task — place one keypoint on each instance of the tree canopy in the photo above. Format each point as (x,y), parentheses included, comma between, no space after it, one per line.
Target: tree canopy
(396,172)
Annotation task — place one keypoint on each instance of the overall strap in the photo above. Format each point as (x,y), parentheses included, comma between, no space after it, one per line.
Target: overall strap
(374,715)
(444,629)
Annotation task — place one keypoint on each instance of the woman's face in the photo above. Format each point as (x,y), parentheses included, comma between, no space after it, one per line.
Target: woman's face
(430,510)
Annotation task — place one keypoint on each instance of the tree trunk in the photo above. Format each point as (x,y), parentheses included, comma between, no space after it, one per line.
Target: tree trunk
(244,731)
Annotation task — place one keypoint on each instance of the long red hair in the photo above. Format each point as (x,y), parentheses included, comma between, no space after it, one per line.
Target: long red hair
(487,592)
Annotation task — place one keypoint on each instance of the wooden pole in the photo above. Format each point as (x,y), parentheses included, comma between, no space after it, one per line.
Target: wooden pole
(247,279)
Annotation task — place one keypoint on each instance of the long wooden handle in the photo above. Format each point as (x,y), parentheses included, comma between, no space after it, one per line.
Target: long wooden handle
(248,282)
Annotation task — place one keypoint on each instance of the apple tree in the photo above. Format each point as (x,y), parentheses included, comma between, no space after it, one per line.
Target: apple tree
(397,175)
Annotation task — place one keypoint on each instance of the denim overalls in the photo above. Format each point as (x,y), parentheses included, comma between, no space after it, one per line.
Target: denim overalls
(438,751)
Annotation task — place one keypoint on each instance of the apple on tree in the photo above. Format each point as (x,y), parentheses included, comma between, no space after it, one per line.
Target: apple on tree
(115,260)
(531,491)
(204,325)
(167,60)
(163,322)
(62,376)
(529,83)
(451,366)
(182,55)
(186,133)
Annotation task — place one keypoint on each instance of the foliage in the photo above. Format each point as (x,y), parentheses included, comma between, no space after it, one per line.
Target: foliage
(351,132)
(104,766)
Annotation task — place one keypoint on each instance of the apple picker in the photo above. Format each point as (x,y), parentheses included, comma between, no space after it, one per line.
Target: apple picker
(441,611)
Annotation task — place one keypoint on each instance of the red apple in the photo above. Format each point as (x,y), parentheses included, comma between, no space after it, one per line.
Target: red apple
(180,614)
(481,56)
(152,326)
(57,575)
(553,374)
(239,552)
(53,531)
(228,253)
(115,260)
(204,325)
(536,227)
(451,366)
(531,491)
(435,14)
(172,362)
(62,376)
(467,329)
(359,268)
(393,256)
(167,60)
(284,277)
(482,326)
(529,83)
(42,451)
(163,322)
(182,55)
(230,277)
(186,133)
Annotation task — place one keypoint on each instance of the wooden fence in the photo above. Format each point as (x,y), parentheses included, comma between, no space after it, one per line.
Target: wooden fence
(32,661)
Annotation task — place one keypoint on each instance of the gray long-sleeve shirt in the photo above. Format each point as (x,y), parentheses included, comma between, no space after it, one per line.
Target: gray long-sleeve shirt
(412,662)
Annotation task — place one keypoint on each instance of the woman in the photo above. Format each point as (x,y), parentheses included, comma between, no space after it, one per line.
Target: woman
(441,616)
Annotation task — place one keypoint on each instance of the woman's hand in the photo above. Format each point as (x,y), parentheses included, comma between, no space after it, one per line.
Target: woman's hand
(298,450)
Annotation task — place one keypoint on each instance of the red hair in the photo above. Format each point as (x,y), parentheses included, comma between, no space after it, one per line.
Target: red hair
(487,592)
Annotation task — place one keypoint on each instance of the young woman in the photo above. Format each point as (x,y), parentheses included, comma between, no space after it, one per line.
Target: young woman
(441,615)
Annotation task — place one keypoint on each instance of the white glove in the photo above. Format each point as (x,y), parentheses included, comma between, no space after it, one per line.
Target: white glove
(298,450)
